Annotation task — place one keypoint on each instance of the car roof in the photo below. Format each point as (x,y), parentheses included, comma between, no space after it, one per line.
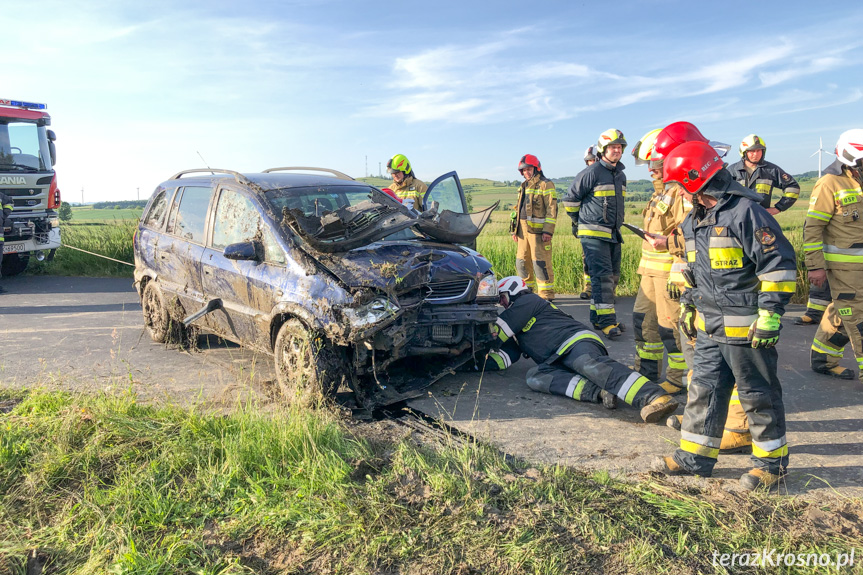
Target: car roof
(265,180)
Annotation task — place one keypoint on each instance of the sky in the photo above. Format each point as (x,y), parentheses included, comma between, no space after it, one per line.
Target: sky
(138,91)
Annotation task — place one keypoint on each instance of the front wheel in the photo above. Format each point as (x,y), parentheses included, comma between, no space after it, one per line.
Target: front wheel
(156,318)
(14,264)
(309,368)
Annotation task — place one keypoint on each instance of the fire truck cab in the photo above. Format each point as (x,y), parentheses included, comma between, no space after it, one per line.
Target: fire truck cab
(27,157)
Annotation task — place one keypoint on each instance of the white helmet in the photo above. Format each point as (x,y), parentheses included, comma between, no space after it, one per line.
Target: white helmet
(512,285)
(590,154)
(849,148)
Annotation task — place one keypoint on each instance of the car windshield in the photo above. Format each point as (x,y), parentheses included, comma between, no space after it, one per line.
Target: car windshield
(318,200)
(23,146)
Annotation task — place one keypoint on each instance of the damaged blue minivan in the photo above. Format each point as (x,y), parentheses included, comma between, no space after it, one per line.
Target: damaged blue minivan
(344,286)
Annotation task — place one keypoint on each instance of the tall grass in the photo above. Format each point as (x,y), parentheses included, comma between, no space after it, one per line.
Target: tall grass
(111,238)
(103,484)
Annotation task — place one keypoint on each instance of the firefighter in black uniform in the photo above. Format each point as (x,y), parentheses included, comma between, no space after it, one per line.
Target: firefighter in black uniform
(5,210)
(753,172)
(572,359)
(741,273)
(595,203)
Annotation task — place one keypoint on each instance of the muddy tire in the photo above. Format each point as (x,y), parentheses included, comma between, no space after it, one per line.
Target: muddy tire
(156,317)
(309,368)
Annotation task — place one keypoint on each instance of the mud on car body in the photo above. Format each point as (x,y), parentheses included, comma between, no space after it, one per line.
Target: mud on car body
(341,283)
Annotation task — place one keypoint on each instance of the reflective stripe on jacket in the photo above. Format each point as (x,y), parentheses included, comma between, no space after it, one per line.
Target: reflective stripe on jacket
(595,201)
(664,212)
(540,204)
(410,188)
(741,261)
(833,231)
(540,328)
(764,179)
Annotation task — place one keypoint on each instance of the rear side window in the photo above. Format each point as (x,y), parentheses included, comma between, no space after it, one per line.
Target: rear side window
(189,220)
(157,210)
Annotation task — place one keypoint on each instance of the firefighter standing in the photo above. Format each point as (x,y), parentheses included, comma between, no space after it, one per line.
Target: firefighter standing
(5,210)
(410,190)
(753,172)
(832,237)
(654,315)
(744,273)
(590,158)
(533,227)
(595,202)
(572,359)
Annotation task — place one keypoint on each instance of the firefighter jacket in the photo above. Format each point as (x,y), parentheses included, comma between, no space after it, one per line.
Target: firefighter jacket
(537,204)
(833,231)
(538,328)
(664,212)
(595,201)
(766,178)
(740,260)
(5,210)
(410,188)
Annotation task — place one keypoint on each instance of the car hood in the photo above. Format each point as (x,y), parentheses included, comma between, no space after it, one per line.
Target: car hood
(351,227)
(401,266)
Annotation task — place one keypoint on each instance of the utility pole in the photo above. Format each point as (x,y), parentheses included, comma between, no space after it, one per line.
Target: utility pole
(139,194)
(82,195)
(367,166)
(380,174)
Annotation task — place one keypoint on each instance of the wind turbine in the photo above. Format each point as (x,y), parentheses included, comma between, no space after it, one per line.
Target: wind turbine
(820,151)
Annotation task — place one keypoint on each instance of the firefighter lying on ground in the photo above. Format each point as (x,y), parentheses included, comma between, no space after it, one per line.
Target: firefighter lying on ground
(572,360)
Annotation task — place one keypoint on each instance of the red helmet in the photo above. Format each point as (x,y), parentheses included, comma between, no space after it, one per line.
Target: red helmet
(529,160)
(673,135)
(692,165)
(391,193)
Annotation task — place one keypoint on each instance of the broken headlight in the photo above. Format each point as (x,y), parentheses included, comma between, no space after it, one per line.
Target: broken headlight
(371,313)
(487,287)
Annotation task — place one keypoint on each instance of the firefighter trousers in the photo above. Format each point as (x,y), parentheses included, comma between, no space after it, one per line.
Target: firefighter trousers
(654,319)
(603,259)
(533,262)
(585,370)
(716,367)
(842,322)
(819,299)
(585,277)
(736,420)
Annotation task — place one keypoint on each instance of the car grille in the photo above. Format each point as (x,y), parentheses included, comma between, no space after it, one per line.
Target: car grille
(447,290)
(26,198)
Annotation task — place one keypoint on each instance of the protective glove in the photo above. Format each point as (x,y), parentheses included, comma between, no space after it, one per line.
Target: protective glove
(673,290)
(764,331)
(687,320)
(575,229)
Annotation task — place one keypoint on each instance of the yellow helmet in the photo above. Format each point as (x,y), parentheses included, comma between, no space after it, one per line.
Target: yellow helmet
(751,143)
(399,163)
(643,149)
(609,137)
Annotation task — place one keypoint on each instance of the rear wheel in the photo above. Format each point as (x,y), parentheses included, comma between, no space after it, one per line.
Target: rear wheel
(156,318)
(14,264)
(309,368)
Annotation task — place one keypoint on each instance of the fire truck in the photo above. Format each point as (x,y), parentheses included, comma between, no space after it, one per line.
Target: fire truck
(27,157)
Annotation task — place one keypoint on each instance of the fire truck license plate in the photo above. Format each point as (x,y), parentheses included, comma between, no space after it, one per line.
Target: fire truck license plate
(12,248)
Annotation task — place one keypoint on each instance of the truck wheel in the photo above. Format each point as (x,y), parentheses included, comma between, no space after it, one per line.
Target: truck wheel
(14,264)
(156,317)
(309,369)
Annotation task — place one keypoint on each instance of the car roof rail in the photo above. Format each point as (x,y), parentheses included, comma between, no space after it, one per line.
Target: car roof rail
(336,173)
(237,175)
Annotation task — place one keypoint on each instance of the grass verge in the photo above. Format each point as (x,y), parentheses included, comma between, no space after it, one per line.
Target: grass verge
(105,484)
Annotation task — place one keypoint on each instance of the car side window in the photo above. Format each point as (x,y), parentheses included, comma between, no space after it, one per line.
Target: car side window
(237,220)
(272,250)
(192,214)
(157,210)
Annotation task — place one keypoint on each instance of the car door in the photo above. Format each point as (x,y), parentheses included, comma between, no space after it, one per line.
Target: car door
(180,257)
(452,223)
(248,289)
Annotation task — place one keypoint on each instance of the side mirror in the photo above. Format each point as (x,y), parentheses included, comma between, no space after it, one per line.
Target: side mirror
(51,135)
(52,151)
(245,251)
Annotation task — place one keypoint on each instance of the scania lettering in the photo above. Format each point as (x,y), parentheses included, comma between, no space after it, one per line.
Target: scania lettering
(27,158)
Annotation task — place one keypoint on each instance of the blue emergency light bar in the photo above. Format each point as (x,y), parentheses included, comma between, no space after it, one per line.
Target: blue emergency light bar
(19,104)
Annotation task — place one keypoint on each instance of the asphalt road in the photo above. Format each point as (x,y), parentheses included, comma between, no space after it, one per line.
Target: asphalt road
(87,334)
